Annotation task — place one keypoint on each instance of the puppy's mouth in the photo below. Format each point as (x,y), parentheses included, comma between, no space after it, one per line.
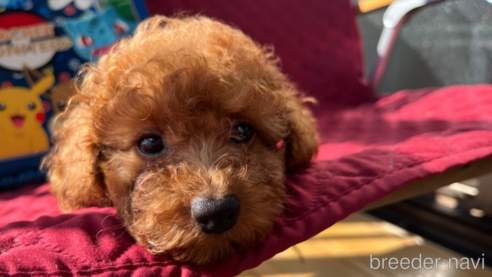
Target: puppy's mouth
(18,121)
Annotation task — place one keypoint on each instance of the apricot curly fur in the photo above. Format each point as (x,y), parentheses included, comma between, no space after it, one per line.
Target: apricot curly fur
(188,80)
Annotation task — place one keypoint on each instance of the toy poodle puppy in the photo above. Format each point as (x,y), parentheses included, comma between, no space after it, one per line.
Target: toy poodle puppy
(187,129)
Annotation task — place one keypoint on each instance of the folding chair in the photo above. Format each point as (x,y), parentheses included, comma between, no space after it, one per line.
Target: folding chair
(373,150)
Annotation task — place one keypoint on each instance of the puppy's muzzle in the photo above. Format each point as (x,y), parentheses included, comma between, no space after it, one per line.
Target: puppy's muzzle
(215,216)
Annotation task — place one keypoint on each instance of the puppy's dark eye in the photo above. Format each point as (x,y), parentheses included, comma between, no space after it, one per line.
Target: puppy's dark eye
(2,106)
(151,145)
(31,106)
(61,105)
(242,133)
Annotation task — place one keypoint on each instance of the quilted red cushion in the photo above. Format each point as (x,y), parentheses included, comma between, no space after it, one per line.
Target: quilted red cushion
(368,152)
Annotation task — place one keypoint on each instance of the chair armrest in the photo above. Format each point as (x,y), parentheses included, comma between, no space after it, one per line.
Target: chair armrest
(393,18)
(366,6)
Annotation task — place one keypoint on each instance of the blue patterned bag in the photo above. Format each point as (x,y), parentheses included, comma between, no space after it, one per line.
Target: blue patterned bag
(42,45)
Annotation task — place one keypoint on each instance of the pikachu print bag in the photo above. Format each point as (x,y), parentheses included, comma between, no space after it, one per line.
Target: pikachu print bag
(42,45)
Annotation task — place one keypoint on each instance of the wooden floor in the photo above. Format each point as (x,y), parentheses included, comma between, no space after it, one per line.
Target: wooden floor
(345,248)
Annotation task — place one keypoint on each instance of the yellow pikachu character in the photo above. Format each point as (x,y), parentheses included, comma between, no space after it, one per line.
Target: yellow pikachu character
(22,115)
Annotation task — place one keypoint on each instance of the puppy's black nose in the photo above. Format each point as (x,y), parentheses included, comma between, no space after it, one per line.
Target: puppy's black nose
(215,216)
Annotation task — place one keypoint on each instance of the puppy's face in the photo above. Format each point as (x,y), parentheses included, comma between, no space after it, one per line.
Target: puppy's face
(187,129)
(193,169)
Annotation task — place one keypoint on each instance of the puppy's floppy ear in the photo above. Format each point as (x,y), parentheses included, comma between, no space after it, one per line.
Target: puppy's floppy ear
(299,124)
(302,142)
(73,163)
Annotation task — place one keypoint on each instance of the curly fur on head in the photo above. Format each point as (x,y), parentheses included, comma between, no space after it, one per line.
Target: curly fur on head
(189,81)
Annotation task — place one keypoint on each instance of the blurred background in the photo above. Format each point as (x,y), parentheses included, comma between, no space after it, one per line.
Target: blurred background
(444,44)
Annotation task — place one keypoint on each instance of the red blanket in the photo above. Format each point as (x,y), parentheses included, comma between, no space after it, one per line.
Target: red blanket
(368,152)
(370,147)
